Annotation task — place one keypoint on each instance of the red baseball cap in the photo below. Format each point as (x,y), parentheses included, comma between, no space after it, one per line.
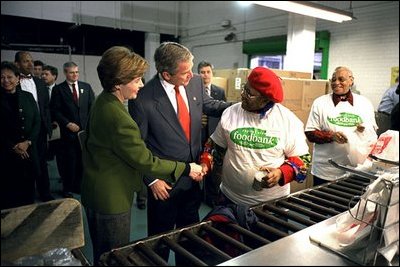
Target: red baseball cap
(267,83)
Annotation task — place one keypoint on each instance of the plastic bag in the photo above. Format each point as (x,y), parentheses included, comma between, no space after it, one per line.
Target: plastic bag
(54,257)
(353,230)
(353,226)
(359,145)
(387,146)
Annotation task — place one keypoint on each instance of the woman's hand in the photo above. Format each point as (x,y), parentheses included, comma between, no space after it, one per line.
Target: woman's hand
(22,149)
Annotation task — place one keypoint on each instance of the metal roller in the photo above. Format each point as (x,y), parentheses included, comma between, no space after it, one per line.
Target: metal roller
(211,243)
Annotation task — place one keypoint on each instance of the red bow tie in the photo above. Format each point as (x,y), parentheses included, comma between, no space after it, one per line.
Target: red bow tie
(338,98)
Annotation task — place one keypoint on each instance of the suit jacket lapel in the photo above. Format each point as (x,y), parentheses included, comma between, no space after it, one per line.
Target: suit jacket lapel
(81,93)
(165,108)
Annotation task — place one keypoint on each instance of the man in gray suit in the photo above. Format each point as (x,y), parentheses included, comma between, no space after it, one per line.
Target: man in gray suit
(155,112)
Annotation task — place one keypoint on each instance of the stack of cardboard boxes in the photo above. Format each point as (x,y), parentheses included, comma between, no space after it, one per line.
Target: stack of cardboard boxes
(299,93)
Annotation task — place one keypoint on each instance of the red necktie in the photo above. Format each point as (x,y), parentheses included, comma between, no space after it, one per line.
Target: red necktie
(74,93)
(183,113)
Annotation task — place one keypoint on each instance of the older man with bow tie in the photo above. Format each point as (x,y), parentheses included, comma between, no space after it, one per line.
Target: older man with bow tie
(332,119)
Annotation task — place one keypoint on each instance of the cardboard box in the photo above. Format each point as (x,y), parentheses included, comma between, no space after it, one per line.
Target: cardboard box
(281,73)
(292,74)
(293,91)
(221,82)
(235,79)
(312,90)
(303,116)
(299,94)
(225,73)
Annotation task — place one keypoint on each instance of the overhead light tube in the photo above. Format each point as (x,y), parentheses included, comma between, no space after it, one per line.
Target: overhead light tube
(307,8)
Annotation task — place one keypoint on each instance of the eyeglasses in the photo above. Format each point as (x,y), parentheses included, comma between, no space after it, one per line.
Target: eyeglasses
(246,92)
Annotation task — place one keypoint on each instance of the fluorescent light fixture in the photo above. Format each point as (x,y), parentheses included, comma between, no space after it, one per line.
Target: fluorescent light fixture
(307,8)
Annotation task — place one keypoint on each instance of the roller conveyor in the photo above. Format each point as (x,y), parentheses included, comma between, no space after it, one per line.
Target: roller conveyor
(207,243)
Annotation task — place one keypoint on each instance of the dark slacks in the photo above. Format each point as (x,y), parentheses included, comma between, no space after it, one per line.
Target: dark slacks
(181,209)
(42,180)
(17,181)
(107,231)
(319,181)
(211,182)
(70,156)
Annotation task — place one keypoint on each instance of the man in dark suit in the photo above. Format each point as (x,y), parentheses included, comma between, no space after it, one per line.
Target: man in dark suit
(155,111)
(49,77)
(212,181)
(209,123)
(24,61)
(70,105)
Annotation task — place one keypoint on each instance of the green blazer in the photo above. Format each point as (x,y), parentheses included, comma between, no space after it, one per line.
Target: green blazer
(115,157)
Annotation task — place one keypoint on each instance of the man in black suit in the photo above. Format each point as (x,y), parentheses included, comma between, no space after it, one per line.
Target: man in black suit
(155,111)
(211,181)
(70,105)
(49,77)
(24,61)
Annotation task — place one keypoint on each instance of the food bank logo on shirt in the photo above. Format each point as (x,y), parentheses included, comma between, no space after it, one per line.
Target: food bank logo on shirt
(253,138)
(346,120)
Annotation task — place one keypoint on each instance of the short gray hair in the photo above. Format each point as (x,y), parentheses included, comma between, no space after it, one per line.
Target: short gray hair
(69,64)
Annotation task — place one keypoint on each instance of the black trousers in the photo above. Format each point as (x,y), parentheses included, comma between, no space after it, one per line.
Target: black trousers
(318,181)
(181,209)
(70,158)
(42,180)
(17,181)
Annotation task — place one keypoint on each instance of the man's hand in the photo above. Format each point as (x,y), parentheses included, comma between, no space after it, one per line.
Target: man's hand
(204,120)
(196,172)
(360,128)
(204,168)
(273,176)
(73,127)
(160,190)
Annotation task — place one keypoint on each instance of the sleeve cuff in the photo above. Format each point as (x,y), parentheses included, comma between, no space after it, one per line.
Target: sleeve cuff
(187,170)
(287,174)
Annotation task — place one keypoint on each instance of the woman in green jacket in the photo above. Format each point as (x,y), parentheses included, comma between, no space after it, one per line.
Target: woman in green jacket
(114,154)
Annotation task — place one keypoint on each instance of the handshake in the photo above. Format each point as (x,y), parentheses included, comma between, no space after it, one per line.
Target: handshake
(197,171)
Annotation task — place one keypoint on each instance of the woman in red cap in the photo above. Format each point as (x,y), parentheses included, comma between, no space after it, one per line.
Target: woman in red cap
(258,134)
